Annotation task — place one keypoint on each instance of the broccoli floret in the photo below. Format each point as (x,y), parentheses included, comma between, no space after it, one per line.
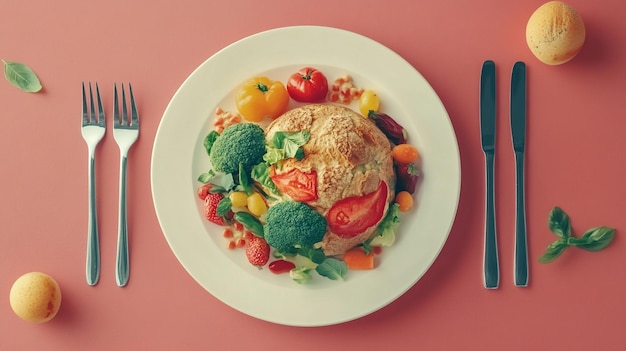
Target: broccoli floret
(290,225)
(239,143)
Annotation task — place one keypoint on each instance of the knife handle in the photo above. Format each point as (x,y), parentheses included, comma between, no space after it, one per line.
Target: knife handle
(491,270)
(521,245)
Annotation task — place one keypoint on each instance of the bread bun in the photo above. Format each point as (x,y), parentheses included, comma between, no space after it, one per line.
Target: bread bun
(350,155)
(35,297)
(555,33)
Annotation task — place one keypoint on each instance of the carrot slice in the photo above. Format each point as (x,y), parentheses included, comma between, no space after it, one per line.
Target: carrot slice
(357,259)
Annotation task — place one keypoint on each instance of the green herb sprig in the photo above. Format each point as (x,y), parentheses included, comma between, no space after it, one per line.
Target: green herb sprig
(594,239)
(21,76)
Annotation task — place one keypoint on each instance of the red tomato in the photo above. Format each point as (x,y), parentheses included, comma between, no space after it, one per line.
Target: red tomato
(203,191)
(307,85)
(298,185)
(281,266)
(353,215)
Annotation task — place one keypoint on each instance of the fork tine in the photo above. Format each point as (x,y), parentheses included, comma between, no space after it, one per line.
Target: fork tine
(124,108)
(116,107)
(92,109)
(101,119)
(85,114)
(134,114)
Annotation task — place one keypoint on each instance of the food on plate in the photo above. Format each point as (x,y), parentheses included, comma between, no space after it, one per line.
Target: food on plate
(257,251)
(358,259)
(260,98)
(353,165)
(211,202)
(318,189)
(392,129)
(308,85)
(241,143)
(281,266)
(35,297)
(555,33)
(404,153)
(343,90)
(407,175)
(290,225)
(404,199)
(369,101)
(224,119)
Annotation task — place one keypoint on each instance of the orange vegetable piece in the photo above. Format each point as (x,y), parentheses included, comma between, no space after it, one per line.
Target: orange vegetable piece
(404,199)
(404,153)
(357,259)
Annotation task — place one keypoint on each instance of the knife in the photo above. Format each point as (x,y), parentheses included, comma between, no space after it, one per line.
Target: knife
(518,131)
(491,272)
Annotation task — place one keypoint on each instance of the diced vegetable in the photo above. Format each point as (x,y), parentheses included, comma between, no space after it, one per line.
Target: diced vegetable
(404,199)
(357,259)
(404,153)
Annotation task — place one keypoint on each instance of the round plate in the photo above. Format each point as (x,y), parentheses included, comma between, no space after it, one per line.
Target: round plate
(178,159)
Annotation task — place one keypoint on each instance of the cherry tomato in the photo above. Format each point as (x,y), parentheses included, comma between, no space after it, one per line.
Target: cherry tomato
(353,215)
(307,85)
(368,101)
(299,185)
(203,191)
(260,97)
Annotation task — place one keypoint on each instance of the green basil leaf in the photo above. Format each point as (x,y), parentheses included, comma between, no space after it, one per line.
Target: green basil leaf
(286,145)
(316,256)
(223,207)
(21,76)
(209,140)
(559,223)
(332,268)
(206,177)
(244,179)
(597,239)
(553,251)
(261,174)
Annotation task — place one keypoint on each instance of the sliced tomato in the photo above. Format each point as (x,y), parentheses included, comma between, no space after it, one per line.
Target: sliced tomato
(299,185)
(353,215)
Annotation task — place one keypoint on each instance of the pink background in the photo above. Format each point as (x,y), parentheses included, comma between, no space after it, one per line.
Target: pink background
(574,160)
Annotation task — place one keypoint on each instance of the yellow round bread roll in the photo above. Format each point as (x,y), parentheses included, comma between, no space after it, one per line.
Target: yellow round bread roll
(35,297)
(555,33)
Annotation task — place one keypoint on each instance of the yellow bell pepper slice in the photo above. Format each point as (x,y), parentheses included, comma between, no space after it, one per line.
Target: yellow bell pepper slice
(260,97)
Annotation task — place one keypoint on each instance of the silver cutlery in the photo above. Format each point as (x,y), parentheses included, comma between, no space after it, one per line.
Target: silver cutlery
(125,132)
(92,129)
(518,132)
(491,272)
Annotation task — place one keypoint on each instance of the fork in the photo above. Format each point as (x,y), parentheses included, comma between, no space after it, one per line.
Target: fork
(93,128)
(125,132)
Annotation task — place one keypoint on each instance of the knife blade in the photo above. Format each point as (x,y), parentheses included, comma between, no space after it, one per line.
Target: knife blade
(518,132)
(491,271)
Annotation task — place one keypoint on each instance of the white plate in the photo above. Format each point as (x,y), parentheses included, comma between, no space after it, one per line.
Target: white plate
(178,158)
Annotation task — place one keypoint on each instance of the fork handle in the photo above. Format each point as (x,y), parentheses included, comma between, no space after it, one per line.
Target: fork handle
(122,269)
(93,246)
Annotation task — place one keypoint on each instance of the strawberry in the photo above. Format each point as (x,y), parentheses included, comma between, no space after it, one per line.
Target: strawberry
(257,251)
(406,175)
(210,208)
